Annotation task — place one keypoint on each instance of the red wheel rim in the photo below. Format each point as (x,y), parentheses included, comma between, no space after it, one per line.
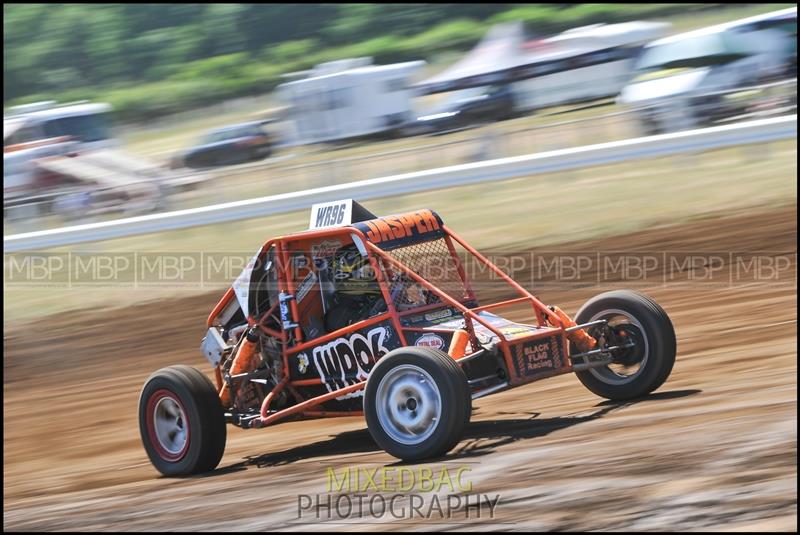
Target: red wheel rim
(167,425)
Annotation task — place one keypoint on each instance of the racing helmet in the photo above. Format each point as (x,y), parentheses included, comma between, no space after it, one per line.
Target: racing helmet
(353,275)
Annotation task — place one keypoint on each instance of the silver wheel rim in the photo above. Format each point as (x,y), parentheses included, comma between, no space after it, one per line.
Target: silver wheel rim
(620,374)
(169,422)
(408,404)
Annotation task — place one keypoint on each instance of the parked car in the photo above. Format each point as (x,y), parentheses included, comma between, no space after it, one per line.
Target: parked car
(467,108)
(240,143)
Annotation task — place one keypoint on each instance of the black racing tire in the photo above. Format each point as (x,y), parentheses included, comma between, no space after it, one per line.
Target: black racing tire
(654,334)
(185,395)
(433,379)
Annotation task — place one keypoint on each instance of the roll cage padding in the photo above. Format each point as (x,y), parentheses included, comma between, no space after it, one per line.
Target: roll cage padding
(391,232)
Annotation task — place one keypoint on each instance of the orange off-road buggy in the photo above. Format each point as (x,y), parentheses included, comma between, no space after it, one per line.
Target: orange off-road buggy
(410,356)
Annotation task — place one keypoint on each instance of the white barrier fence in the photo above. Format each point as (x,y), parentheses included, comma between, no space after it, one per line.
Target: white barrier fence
(759,131)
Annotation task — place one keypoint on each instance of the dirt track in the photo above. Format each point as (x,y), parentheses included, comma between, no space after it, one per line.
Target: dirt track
(714,448)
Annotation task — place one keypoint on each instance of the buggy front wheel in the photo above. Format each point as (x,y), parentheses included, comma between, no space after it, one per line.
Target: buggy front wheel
(647,362)
(417,403)
(181,421)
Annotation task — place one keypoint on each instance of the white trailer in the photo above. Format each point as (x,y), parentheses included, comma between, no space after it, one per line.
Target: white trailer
(348,99)
(582,64)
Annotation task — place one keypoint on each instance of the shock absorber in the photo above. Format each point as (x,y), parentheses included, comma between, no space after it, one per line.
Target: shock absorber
(582,340)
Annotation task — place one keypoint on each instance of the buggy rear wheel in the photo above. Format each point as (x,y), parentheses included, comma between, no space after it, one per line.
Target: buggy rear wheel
(417,403)
(181,421)
(645,366)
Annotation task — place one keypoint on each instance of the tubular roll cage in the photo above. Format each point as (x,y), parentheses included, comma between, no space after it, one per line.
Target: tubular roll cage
(286,284)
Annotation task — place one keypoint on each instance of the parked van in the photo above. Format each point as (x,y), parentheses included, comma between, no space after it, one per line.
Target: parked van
(87,123)
(677,79)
